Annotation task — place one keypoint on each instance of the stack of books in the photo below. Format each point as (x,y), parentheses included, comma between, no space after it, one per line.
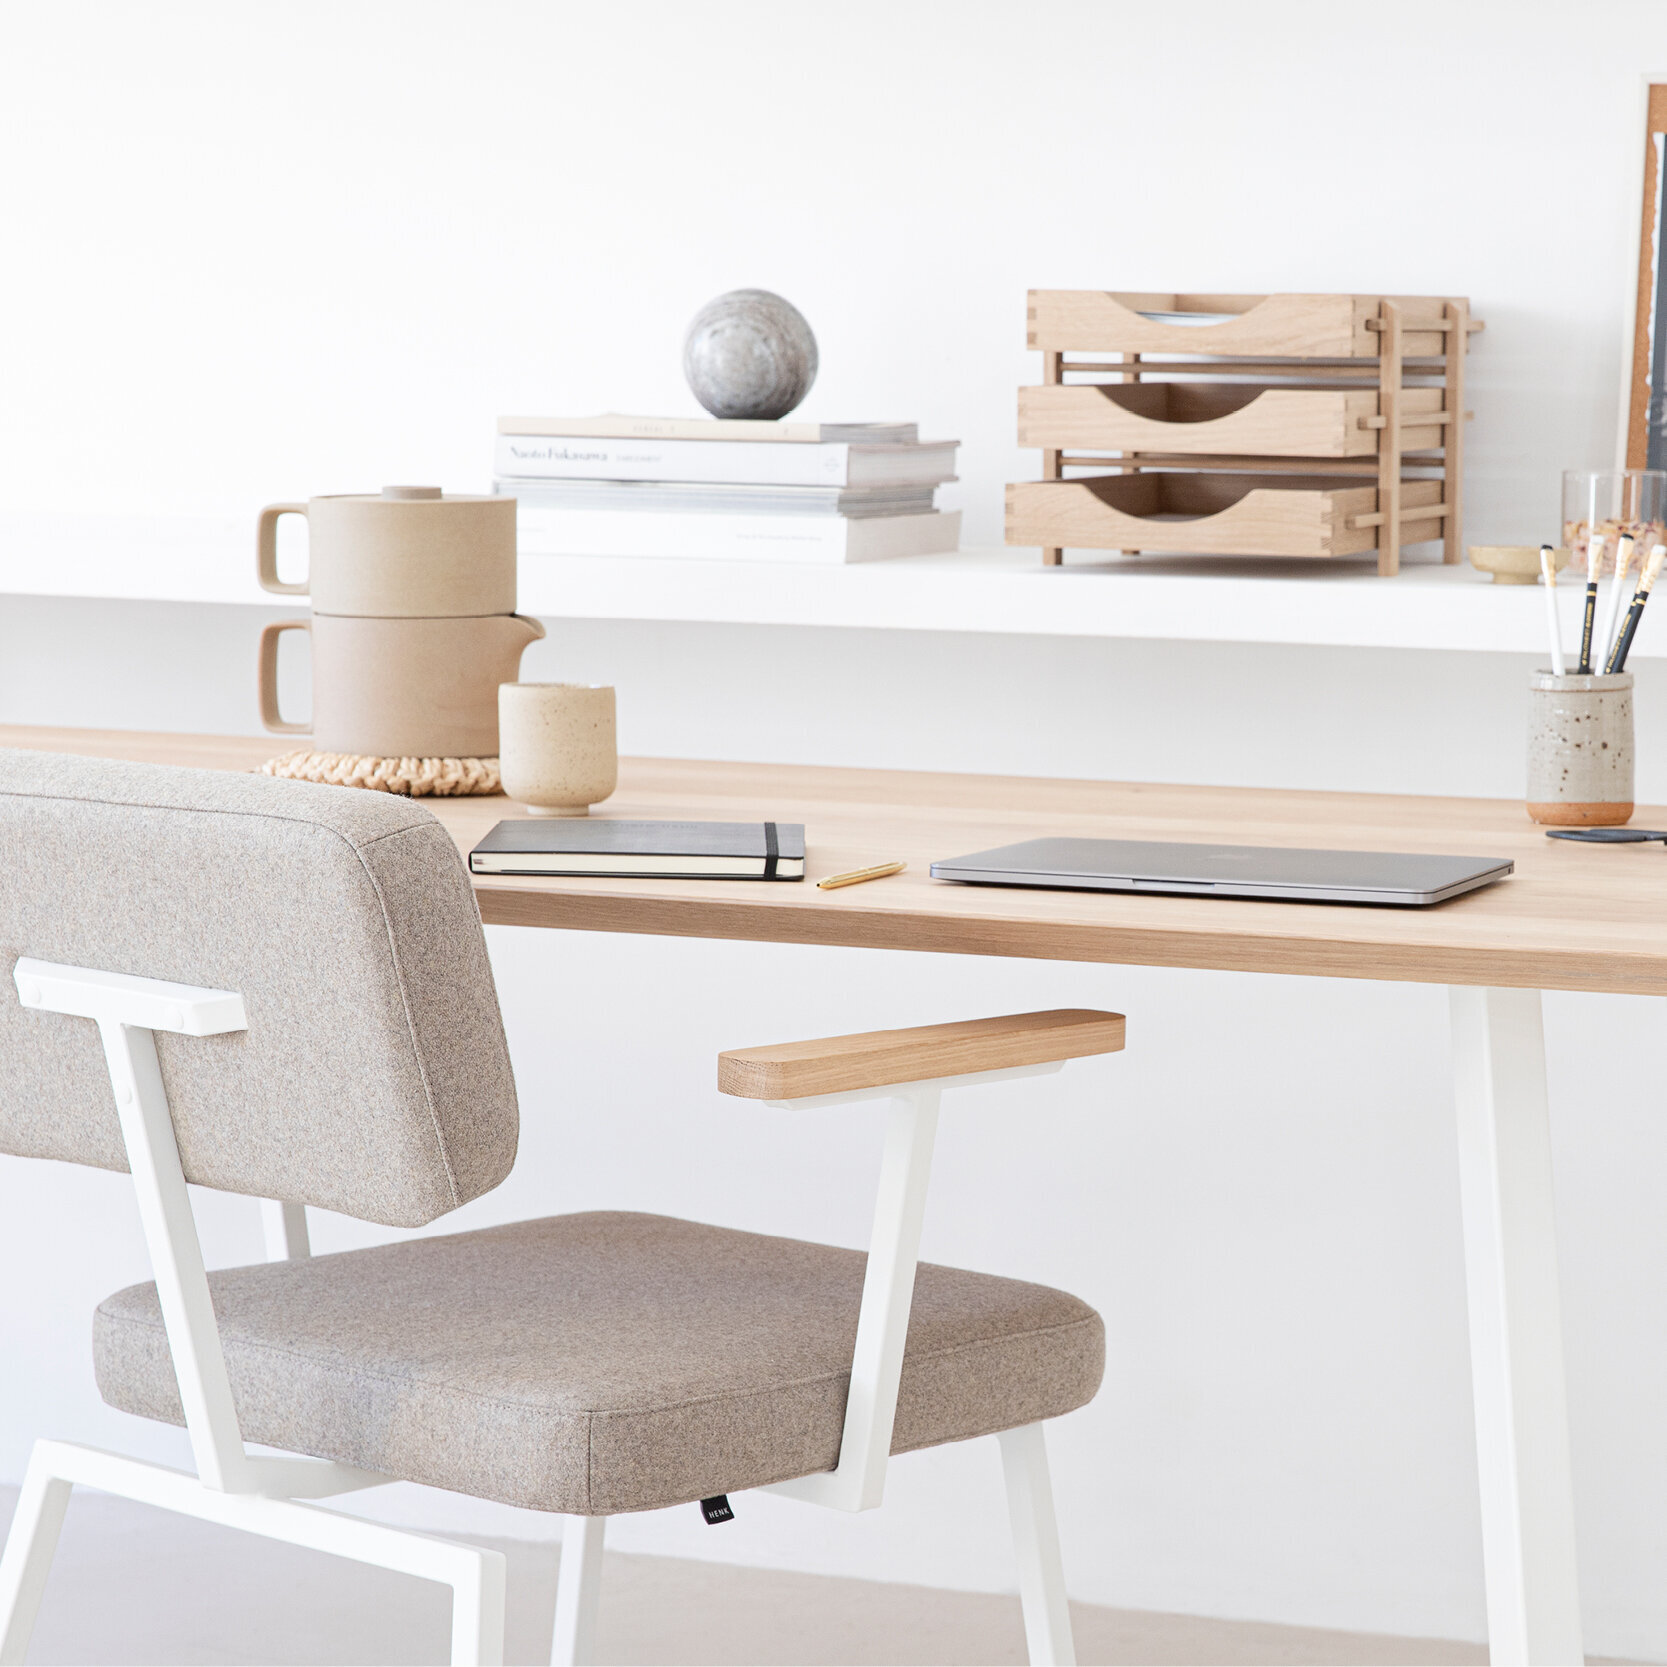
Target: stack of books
(725,490)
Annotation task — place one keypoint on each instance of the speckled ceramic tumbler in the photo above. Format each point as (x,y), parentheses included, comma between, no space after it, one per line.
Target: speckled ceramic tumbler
(556,746)
(1580,749)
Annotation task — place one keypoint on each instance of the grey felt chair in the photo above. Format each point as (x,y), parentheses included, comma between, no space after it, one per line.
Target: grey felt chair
(282,990)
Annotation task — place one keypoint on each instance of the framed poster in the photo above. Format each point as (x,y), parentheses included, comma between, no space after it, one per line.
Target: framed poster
(1644,421)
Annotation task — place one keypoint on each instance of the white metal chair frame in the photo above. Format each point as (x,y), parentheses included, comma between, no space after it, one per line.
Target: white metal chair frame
(266,1495)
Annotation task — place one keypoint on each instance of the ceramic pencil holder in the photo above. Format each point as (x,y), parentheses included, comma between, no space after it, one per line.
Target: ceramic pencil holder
(1580,752)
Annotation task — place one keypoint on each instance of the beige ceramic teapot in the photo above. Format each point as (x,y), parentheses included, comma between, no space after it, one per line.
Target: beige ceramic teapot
(414,623)
(401,688)
(407,552)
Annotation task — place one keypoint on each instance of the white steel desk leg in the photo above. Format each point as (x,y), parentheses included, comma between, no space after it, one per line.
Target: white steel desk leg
(1516,1333)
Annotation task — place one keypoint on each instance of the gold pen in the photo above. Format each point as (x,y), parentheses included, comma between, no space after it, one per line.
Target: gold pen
(857,875)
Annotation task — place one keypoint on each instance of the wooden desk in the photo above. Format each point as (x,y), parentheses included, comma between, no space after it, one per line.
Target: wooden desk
(1572,917)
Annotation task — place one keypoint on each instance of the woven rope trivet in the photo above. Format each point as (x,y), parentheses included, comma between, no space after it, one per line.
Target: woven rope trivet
(442,778)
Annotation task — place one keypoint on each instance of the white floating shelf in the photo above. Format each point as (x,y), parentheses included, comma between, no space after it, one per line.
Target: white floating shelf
(1007,592)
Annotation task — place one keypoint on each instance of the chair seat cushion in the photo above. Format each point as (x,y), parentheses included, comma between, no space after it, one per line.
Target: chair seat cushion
(600,1363)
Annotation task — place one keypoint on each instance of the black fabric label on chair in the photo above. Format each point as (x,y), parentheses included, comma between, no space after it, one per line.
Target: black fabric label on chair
(717,1509)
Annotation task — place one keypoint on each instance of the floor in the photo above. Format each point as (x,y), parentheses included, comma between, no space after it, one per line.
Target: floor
(134,1585)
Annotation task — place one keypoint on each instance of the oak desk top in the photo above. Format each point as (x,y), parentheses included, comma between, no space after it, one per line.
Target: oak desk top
(1572,917)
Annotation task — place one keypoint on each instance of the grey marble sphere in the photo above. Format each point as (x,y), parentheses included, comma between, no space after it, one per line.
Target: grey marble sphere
(749,354)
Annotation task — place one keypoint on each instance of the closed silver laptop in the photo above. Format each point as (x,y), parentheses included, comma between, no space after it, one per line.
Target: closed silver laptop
(1401,878)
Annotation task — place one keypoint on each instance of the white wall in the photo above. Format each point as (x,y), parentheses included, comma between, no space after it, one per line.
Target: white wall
(268,252)
(259,252)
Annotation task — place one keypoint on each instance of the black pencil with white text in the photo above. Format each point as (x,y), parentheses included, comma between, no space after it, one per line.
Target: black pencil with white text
(1594,565)
(1646,583)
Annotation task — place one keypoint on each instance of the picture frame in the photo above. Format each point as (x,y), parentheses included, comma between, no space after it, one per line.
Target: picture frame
(1641,440)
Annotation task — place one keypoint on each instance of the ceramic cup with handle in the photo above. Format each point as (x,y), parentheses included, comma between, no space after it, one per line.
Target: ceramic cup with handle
(408,552)
(557,750)
(401,688)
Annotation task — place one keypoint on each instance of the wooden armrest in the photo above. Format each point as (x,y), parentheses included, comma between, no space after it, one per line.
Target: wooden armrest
(878,1058)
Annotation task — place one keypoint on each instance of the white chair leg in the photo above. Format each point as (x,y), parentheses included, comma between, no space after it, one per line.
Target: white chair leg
(284,1227)
(28,1556)
(578,1592)
(477,1612)
(1024,1462)
(474,1574)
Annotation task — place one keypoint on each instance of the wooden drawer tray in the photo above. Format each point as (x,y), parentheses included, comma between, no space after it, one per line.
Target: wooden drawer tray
(1211,514)
(1258,326)
(1199,419)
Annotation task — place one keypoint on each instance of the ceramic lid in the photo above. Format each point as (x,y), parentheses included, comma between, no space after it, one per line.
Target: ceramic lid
(413,494)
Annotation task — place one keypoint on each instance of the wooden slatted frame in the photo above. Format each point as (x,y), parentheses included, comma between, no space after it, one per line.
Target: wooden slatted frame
(1053,364)
(1452,448)
(1389,368)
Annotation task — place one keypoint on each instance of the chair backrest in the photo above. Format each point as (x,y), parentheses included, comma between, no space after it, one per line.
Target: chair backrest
(373,1079)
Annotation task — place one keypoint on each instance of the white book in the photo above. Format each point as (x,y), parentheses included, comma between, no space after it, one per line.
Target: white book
(660,497)
(723,462)
(543,531)
(711,428)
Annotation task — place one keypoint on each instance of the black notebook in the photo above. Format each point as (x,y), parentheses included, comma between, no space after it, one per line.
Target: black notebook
(644,850)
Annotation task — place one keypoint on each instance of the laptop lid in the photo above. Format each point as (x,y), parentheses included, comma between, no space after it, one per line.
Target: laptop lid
(1407,879)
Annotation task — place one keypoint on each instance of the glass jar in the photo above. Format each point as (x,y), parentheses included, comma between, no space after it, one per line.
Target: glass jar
(1611,502)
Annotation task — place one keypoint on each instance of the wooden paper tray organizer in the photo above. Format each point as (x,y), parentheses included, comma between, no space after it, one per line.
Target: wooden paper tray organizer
(1289,425)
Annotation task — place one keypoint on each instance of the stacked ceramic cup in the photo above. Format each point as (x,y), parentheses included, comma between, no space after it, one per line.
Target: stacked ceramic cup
(413,623)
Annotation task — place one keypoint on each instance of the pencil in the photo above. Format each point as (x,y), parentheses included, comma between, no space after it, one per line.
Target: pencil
(1594,560)
(1646,583)
(857,875)
(1548,572)
(1617,589)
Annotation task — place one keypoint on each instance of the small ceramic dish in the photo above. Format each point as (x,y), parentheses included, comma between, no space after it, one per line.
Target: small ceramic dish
(1513,564)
